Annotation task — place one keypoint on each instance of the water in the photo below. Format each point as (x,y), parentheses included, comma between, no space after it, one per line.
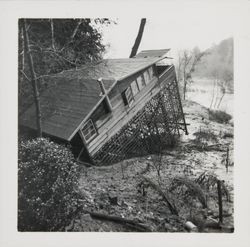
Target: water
(201,91)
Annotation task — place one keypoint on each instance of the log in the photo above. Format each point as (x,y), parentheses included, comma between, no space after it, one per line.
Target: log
(224,215)
(127,222)
(164,196)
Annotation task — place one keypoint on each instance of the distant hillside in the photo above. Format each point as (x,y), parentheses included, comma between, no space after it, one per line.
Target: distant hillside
(218,62)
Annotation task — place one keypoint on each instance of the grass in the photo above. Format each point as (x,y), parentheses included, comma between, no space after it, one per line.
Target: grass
(219,116)
(228,135)
(205,135)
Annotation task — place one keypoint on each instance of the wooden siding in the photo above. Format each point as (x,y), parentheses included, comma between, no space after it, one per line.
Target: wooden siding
(122,114)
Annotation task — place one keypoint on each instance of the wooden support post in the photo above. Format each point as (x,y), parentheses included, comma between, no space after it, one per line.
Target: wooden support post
(180,104)
(85,146)
(227,159)
(220,201)
(103,90)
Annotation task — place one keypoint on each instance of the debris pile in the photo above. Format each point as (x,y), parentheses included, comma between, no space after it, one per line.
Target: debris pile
(188,189)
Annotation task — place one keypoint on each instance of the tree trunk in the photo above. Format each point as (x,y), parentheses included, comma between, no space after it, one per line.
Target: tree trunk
(52,34)
(220,201)
(138,38)
(184,89)
(212,95)
(184,83)
(220,100)
(73,35)
(127,222)
(33,79)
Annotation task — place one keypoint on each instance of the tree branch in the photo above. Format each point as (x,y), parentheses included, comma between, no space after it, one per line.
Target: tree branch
(73,35)
(25,75)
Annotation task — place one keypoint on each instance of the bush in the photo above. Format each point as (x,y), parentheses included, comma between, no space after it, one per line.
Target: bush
(205,136)
(219,116)
(47,186)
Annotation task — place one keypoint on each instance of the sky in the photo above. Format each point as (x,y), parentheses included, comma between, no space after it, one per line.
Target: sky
(182,29)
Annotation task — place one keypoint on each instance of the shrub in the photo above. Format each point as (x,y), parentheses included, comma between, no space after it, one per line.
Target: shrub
(219,116)
(47,186)
(228,135)
(205,136)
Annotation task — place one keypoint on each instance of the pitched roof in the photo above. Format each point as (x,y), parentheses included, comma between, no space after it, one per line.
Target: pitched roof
(152,53)
(117,69)
(72,94)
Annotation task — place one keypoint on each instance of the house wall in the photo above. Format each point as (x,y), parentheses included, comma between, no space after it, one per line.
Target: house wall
(121,114)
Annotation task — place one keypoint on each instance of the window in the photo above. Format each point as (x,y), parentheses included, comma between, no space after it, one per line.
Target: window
(140,82)
(151,72)
(89,130)
(128,96)
(146,77)
(134,88)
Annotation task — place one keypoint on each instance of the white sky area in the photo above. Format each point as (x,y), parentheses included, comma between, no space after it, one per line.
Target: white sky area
(182,29)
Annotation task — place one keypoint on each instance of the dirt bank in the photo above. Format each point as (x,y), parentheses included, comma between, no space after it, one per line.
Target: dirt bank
(186,175)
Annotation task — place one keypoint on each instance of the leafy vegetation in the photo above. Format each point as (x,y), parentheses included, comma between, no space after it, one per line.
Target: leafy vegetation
(56,45)
(219,116)
(47,186)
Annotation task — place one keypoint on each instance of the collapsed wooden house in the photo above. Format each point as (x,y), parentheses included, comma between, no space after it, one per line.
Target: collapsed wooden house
(115,109)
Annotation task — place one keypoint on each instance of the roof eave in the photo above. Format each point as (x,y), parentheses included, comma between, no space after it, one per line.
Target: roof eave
(138,70)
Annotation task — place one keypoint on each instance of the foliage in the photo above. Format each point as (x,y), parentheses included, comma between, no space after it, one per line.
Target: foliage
(218,65)
(218,61)
(208,181)
(205,136)
(228,135)
(47,183)
(57,45)
(189,189)
(219,116)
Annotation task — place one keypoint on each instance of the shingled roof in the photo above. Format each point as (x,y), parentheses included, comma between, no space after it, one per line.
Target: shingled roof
(152,53)
(72,94)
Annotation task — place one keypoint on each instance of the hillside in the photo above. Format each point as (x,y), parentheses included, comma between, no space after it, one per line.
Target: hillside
(185,179)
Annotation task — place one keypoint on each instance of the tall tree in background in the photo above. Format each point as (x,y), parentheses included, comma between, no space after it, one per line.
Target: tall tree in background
(217,65)
(33,80)
(55,45)
(138,38)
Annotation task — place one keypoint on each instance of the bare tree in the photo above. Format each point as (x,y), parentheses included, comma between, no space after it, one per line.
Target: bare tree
(226,78)
(187,62)
(28,54)
(138,38)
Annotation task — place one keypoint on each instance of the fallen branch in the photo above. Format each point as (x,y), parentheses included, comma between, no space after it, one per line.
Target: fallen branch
(164,196)
(127,222)
(224,215)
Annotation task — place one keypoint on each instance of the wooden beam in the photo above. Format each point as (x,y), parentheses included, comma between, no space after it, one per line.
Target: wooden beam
(104,92)
(84,146)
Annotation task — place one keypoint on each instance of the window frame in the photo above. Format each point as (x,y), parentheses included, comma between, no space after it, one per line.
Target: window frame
(136,85)
(146,76)
(92,136)
(126,97)
(142,81)
(150,72)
